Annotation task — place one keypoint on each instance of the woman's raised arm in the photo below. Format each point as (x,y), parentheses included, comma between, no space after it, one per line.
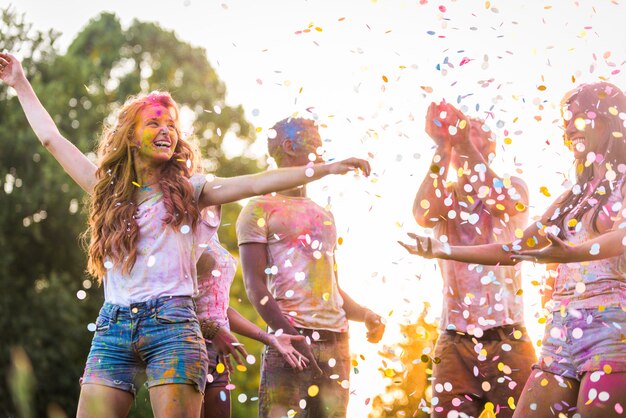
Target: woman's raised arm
(73,161)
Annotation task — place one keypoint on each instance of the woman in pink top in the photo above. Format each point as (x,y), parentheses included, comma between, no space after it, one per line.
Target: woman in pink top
(582,366)
(216,271)
(143,227)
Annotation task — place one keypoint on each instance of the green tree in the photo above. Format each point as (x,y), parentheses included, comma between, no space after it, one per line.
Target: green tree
(407,368)
(47,300)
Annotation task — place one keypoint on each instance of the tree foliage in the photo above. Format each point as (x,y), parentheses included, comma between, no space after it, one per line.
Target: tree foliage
(407,368)
(47,300)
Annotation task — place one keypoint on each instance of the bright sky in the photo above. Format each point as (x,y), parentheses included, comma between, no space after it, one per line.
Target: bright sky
(367,70)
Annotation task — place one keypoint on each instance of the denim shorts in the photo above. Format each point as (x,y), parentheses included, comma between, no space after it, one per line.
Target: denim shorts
(161,337)
(584,340)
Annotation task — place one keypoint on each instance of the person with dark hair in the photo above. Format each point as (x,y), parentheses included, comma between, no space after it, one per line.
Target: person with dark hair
(145,203)
(582,367)
(216,271)
(287,247)
(483,354)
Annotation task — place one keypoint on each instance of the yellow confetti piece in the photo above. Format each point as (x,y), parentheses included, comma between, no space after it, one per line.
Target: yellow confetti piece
(488,411)
(220,368)
(425,204)
(508,141)
(242,368)
(462,124)
(313,391)
(500,206)
(260,222)
(541,88)
(572,223)
(530,242)
(317,28)
(544,382)
(617,134)
(580,124)
(607,369)
(519,292)
(390,372)
(542,320)
(511,402)
(520,207)
(340,240)
(136,184)
(544,191)
(385,79)
(258,129)
(326,296)
(327,223)
(519,233)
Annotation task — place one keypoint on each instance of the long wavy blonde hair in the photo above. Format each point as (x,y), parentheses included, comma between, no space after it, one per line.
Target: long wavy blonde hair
(112,230)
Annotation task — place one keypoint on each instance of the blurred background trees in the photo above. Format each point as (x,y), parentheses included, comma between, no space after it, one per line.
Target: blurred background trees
(46,299)
(407,367)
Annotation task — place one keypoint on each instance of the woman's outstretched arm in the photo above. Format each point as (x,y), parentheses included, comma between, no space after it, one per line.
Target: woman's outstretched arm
(73,161)
(230,189)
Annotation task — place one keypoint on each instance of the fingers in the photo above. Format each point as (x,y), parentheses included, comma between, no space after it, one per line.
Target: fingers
(226,360)
(365,168)
(291,359)
(239,354)
(296,338)
(408,247)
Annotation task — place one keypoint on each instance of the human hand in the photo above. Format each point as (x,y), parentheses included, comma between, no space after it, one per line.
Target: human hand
(446,125)
(11,71)
(375,327)
(425,247)
(350,164)
(284,343)
(557,251)
(302,346)
(226,345)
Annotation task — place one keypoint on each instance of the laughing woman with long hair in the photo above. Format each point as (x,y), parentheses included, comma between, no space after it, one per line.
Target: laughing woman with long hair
(145,204)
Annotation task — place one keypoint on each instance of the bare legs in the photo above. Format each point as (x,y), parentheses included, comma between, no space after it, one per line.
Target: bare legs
(171,401)
(548,395)
(215,406)
(98,401)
